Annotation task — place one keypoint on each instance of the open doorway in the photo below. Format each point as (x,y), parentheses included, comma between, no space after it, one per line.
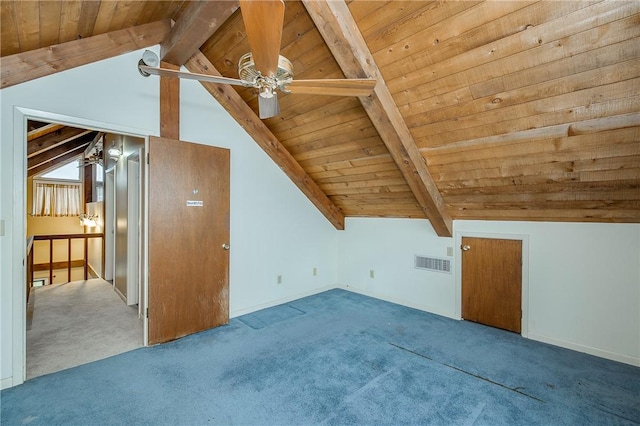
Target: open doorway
(76,318)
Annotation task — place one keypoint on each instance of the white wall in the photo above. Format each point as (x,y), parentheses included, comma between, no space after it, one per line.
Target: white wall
(584,284)
(583,280)
(388,247)
(275,230)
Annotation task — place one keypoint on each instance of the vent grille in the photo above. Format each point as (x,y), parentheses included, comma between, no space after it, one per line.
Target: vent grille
(433,264)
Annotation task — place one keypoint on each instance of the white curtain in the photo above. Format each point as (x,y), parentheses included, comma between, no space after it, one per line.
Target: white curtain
(55,199)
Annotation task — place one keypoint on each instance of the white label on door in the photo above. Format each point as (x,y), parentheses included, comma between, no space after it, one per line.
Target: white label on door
(195,203)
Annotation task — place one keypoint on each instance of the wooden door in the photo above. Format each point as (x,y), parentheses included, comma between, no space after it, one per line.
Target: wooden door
(492,282)
(188,237)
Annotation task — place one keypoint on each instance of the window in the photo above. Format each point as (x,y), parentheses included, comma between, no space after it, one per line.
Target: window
(58,192)
(69,171)
(56,199)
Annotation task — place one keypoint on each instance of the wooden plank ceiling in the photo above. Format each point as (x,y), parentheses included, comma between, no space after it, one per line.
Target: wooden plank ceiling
(510,110)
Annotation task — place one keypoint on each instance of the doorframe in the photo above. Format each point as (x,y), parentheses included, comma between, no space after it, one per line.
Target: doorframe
(524,238)
(133,232)
(143,303)
(19,229)
(109,225)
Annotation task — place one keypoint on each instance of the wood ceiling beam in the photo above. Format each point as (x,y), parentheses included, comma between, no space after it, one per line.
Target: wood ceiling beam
(249,121)
(52,140)
(339,30)
(33,64)
(169,104)
(97,138)
(193,28)
(44,130)
(56,161)
(52,156)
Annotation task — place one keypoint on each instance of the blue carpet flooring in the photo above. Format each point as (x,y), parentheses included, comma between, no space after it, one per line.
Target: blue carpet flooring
(336,358)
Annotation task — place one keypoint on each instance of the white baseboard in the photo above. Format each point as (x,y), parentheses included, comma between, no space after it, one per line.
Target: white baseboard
(407,303)
(6,383)
(248,310)
(92,272)
(626,359)
(119,293)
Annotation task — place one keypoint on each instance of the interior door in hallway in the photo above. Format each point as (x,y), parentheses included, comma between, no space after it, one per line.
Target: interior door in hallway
(492,282)
(188,281)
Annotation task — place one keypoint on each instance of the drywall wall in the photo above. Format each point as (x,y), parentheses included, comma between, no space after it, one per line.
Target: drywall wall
(94,245)
(584,284)
(387,247)
(583,278)
(275,230)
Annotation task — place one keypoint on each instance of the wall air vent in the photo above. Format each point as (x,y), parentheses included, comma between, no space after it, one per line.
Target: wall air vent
(433,264)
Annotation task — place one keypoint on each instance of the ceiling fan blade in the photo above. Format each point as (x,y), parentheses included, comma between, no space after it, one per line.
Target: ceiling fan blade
(268,107)
(87,164)
(332,87)
(191,76)
(263,20)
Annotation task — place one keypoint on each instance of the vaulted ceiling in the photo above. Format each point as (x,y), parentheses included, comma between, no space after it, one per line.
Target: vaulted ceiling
(498,110)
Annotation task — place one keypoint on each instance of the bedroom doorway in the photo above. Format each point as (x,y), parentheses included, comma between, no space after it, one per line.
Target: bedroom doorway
(72,323)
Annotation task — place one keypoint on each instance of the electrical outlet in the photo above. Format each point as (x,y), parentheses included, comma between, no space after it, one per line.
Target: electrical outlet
(371,274)
(315,271)
(279,279)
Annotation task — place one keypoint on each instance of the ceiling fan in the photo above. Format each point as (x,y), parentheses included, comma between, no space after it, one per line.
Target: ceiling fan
(94,158)
(263,67)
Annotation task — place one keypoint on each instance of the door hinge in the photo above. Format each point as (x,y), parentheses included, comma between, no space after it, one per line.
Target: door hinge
(147,158)
(147,313)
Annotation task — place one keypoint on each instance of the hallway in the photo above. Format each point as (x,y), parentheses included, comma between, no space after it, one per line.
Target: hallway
(77,323)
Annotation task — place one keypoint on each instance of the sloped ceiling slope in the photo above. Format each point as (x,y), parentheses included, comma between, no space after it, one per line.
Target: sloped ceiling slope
(516,110)
(332,138)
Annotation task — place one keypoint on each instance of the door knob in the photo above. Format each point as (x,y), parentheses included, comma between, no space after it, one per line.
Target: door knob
(465,247)
(225,246)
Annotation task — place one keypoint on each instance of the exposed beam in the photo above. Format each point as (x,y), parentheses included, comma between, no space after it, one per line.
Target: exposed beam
(170,105)
(195,25)
(249,121)
(52,140)
(47,157)
(57,160)
(339,30)
(44,130)
(33,64)
(97,138)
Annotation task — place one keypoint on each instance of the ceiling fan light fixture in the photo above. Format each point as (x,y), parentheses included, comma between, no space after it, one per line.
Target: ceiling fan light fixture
(266,92)
(114,152)
(150,59)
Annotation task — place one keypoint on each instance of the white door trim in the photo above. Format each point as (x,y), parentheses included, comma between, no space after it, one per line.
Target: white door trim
(525,271)
(133,227)
(18,230)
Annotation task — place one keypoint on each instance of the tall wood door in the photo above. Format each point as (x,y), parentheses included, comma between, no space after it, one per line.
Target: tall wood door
(492,282)
(188,287)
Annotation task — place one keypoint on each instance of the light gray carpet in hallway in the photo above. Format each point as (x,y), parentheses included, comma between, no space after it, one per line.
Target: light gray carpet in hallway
(76,323)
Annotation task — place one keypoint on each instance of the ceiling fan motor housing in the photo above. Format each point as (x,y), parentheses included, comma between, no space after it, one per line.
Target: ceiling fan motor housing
(267,84)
